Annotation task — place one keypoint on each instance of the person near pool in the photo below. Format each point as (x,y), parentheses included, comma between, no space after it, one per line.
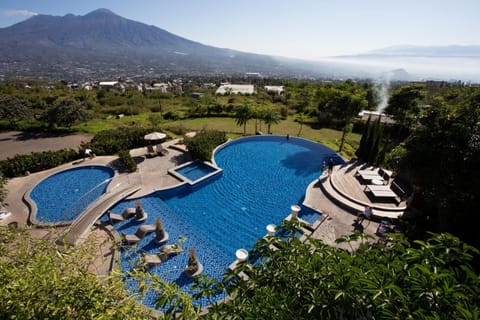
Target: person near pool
(330,166)
(366,213)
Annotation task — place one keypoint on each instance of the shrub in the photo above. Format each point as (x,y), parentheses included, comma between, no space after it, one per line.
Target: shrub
(202,145)
(112,141)
(36,161)
(170,115)
(126,159)
(178,129)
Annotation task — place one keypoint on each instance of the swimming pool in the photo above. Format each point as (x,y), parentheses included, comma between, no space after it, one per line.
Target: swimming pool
(195,171)
(262,177)
(62,196)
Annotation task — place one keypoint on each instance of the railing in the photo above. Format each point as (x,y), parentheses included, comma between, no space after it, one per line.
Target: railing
(84,201)
(126,186)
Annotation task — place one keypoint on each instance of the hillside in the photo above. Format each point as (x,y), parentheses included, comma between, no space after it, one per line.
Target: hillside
(101,40)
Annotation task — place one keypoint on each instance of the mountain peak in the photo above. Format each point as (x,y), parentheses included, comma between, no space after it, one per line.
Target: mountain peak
(101,12)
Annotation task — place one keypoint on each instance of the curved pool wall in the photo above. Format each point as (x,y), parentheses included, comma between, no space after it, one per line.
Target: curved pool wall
(262,177)
(61,197)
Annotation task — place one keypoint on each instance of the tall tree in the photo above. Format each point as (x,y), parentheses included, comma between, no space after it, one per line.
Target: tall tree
(346,130)
(404,104)
(66,113)
(243,114)
(300,118)
(270,117)
(341,105)
(13,109)
(361,151)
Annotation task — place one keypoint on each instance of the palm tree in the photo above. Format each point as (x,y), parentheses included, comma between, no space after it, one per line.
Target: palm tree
(271,116)
(257,115)
(301,118)
(243,113)
(346,130)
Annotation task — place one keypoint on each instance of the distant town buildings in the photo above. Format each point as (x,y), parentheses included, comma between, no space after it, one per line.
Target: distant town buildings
(107,85)
(235,89)
(253,75)
(274,89)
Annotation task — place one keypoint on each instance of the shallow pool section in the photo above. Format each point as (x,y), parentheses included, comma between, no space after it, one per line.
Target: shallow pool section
(195,171)
(61,197)
(262,177)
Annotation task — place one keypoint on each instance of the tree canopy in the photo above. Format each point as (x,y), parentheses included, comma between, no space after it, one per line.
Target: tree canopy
(66,113)
(403,104)
(13,109)
(243,114)
(38,280)
(393,279)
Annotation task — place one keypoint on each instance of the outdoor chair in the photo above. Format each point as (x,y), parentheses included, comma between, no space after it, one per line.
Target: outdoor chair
(161,151)
(127,214)
(141,232)
(150,151)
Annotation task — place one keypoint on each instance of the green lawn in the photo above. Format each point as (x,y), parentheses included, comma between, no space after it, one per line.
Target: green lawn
(328,137)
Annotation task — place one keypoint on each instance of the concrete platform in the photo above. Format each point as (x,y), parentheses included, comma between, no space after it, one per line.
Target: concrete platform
(348,191)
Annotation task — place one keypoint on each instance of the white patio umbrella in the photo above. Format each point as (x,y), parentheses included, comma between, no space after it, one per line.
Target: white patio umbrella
(155,136)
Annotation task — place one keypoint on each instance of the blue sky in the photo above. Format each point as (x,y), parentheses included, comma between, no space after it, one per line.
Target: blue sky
(308,29)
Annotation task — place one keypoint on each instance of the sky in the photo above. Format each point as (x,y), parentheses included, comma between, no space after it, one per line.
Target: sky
(306,29)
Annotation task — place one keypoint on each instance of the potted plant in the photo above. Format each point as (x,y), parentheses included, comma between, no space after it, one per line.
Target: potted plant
(194,267)
(140,214)
(160,234)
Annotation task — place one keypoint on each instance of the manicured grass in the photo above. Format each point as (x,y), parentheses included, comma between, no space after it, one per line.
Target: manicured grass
(328,137)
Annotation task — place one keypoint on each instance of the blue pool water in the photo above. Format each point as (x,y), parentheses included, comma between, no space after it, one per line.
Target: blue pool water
(262,177)
(61,197)
(195,170)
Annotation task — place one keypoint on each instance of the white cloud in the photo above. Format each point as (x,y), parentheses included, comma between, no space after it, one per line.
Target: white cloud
(17,13)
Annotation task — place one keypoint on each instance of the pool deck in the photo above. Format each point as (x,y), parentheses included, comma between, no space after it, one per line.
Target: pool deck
(337,221)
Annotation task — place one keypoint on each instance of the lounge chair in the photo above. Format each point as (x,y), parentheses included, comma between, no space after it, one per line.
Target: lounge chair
(127,214)
(164,254)
(161,151)
(141,232)
(150,151)
(381,191)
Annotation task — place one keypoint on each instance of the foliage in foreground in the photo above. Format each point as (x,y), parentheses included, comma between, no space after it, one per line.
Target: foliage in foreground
(385,280)
(3,190)
(393,279)
(39,280)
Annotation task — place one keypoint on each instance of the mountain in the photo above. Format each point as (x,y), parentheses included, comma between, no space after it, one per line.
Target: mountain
(102,45)
(103,42)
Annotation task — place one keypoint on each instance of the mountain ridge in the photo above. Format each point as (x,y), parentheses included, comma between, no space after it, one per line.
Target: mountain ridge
(102,44)
(102,39)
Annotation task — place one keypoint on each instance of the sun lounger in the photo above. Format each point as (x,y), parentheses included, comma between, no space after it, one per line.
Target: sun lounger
(150,151)
(381,191)
(368,176)
(141,232)
(164,254)
(161,151)
(368,171)
(127,214)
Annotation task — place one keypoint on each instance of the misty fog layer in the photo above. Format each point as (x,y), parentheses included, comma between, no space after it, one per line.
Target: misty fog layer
(466,69)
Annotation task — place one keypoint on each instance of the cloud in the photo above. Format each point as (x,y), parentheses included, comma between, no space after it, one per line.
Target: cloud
(19,13)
